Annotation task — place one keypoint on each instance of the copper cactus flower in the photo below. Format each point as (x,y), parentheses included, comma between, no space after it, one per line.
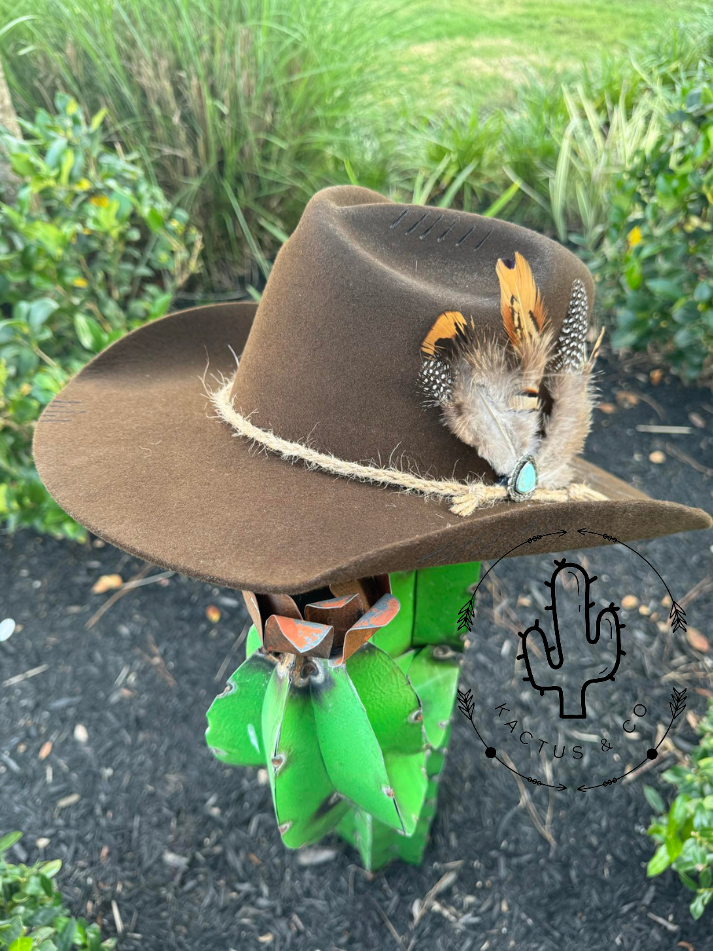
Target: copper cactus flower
(329,623)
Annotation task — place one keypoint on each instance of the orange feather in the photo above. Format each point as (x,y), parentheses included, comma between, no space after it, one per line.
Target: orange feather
(521,305)
(448,326)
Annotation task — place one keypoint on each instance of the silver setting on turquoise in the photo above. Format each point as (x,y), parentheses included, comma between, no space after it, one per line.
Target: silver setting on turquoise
(522,481)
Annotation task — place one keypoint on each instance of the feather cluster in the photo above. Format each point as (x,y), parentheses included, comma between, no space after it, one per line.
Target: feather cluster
(491,394)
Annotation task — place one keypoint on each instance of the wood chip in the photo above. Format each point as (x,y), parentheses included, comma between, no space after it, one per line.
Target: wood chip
(673,430)
(45,750)
(316,856)
(627,399)
(118,923)
(697,641)
(657,457)
(669,925)
(80,733)
(70,800)
(629,602)
(656,376)
(607,408)
(107,583)
(697,420)
(175,861)
(212,613)
(26,676)
(689,460)
(7,628)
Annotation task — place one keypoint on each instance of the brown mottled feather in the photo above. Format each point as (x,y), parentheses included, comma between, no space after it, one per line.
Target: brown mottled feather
(448,326)
(521,304)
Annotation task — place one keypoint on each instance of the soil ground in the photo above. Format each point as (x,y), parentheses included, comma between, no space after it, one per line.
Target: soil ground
(179,851)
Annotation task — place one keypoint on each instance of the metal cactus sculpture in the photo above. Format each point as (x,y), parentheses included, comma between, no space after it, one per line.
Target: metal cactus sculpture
(346,698)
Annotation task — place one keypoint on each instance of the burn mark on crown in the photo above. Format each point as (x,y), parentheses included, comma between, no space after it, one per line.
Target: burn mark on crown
(417,223)
(430,228)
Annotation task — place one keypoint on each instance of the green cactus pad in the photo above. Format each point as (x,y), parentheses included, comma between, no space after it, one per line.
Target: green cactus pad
(252,642)
(437,757)
(395,637)
(434,676)
(404,661)
(412,848)
(351,751)
(376,843)
(389,699)
(306,803)
(407,775)
(440,594)
(234,733)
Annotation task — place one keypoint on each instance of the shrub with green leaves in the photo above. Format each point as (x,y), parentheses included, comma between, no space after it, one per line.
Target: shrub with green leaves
(659,253)
(89,249)
(32,916)
(685,832)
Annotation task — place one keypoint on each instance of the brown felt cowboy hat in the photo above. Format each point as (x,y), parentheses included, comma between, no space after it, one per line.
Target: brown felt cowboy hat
(398,403)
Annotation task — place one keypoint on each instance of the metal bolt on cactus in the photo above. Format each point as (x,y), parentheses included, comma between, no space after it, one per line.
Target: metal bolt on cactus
(346,697)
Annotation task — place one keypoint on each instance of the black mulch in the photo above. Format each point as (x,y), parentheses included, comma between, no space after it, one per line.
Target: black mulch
(187,849)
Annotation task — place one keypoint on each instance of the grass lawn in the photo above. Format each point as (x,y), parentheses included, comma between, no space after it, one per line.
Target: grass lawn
(488,46)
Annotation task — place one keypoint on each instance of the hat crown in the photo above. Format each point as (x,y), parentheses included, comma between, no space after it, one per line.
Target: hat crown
(333,357)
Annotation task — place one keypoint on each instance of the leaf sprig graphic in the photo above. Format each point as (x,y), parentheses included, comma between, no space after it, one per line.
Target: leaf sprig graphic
(465,615)
(677,702)
(466,703)
(677,616)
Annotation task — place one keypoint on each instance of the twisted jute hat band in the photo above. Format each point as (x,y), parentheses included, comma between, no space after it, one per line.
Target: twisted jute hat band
(465,496)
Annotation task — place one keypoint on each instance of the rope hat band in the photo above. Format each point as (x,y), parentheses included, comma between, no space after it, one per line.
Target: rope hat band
(465,496)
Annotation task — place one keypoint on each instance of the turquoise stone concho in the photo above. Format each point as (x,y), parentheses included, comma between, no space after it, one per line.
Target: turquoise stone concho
(522,481)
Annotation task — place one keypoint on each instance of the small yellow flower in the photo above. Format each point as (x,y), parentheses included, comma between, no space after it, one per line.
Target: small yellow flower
(86,230)
(80,282)
(83,184)
(174,223)
(634,237)
(101,201)
(25,389)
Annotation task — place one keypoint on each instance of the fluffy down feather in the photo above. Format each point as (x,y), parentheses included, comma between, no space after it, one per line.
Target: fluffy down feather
(567,427)
(484,409)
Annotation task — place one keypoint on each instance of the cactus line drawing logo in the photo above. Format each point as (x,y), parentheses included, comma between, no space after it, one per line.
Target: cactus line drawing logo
(570,650)
(544,655)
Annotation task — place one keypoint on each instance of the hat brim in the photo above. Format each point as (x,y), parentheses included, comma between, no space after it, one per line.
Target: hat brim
(131,449)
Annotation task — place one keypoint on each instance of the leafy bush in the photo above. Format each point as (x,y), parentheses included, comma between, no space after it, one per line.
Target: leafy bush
(89,249)
(659,254)
(32,917)
(685,832)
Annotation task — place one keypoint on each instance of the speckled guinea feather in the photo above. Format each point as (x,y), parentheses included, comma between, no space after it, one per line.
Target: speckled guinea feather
(569,382)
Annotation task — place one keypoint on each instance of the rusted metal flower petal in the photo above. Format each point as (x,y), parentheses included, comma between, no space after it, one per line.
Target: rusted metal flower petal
(341,613)
(385,610)
(293,636)
(370,589)
(262,606)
